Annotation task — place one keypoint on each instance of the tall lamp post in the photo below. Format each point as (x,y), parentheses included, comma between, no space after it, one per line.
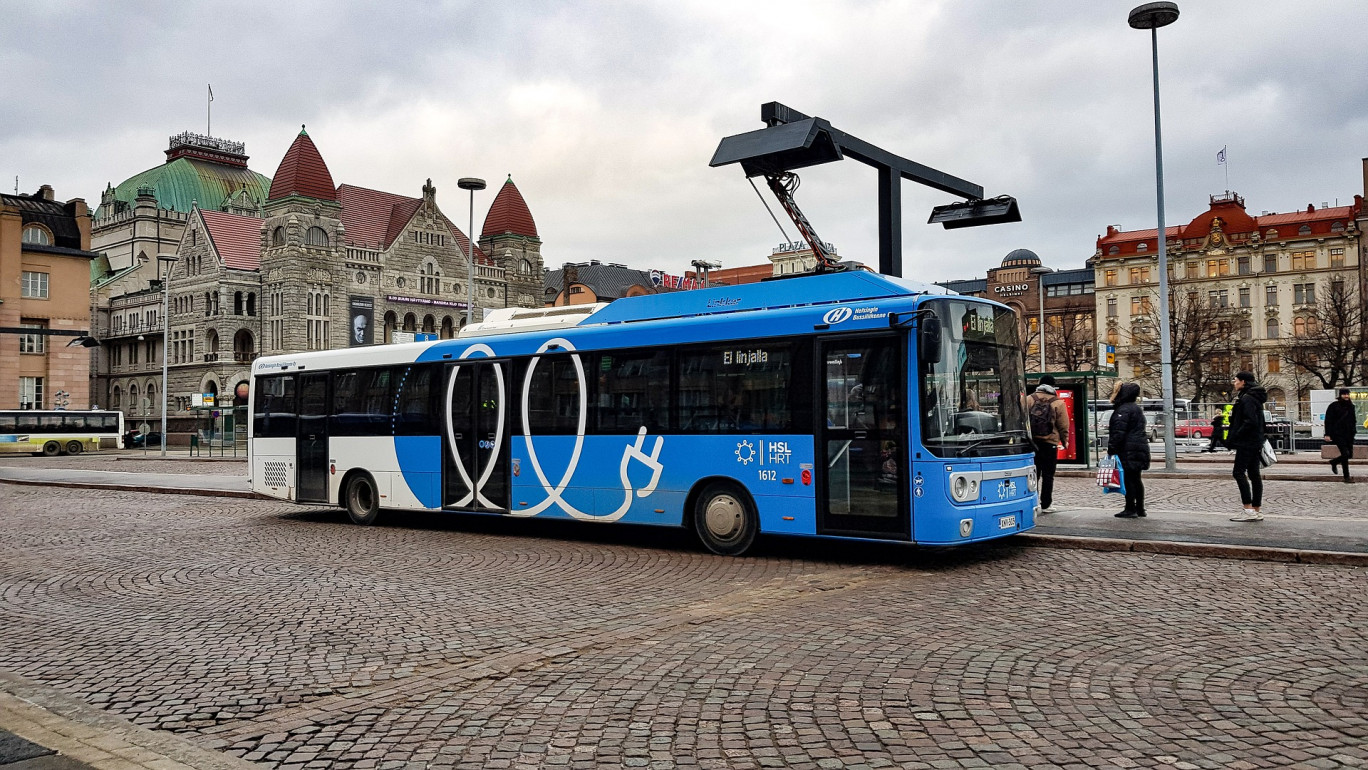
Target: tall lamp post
(170,260)
(472,184)
(1152,16)
(1040,272)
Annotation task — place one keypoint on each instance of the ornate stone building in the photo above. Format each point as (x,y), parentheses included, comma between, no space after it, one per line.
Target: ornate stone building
(329,266)
(1241,286)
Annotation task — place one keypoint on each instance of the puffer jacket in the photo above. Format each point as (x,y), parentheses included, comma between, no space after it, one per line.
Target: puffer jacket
(1127,437)
(1246,418)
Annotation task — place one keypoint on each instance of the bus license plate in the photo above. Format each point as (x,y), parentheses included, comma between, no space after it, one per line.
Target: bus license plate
(1007,522)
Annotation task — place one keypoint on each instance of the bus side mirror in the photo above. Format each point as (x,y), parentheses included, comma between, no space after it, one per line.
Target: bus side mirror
(930,343)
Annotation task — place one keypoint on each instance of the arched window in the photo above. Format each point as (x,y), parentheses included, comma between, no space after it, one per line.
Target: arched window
(1338,227)
(194,237)
(1142,247)
(447,327)
(251,303)
(211,342)
(135,406)
(216,303)
(429,278)
(429,324)
(524,267)
(391,322)
(1114,250)
(410,322)
(1299,327)
(316,236)
(37,235)
(237,303)
(116,398)
(243,345)
(1270,233)
(1312,325)
(278,236)
(1271,328)
(153,405)
(208,304)
(1113,337)
(1246,330)
(1304,230)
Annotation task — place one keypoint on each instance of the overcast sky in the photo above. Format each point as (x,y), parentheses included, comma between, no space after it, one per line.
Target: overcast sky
(606,114)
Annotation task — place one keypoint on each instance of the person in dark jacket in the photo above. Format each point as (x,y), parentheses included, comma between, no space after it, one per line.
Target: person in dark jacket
(1341,423)
(1246,437)
(1128,439)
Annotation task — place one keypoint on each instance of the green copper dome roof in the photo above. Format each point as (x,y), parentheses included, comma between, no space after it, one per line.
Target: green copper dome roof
(183,181)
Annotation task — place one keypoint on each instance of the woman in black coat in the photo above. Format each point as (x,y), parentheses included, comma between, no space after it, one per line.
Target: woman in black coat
(1128,439)
(1247,439)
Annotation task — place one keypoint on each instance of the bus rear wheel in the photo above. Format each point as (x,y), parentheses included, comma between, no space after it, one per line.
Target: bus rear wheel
(74,447)
(725,520)
(363,500)
(52,449)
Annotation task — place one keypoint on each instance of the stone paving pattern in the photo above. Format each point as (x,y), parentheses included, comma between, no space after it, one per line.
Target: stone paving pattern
(287,637)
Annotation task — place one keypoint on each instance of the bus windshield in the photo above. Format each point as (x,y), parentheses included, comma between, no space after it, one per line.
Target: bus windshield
(971,398)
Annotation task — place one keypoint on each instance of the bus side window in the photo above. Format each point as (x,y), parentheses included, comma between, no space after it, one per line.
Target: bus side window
(8,423)
(413,402)
(274,407)
(634,391)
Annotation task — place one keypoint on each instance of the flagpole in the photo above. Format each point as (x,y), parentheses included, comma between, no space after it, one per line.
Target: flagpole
(209,113)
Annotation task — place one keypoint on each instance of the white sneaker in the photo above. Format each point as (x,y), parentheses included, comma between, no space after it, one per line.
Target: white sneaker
(1248,515)
(1048,510)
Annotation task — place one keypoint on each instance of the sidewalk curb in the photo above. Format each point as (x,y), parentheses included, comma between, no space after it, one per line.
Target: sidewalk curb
(1205,473)
(243,494)
(54,720)
(1200,550)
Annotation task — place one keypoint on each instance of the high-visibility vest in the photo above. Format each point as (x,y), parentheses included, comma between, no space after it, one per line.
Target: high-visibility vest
(1225,422)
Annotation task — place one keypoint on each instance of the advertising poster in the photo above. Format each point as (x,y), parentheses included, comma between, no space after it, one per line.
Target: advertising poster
(1071,453)
(362,313)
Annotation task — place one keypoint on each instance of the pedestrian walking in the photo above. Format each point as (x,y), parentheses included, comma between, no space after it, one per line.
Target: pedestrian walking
(1341,423)
(1049,431)
(1217,432)
(1246,437)
(1128,439)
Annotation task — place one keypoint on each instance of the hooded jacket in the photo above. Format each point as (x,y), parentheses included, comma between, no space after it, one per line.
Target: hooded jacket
(1246,418)
(1340,421)
(1127,435)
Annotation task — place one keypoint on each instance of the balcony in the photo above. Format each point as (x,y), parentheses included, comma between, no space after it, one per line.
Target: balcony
(244,357)
(109,331)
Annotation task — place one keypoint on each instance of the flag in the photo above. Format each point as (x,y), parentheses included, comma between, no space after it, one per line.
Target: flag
(211,93)
(1220,156)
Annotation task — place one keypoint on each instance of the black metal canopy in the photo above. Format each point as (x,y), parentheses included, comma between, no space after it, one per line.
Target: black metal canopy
(792,140)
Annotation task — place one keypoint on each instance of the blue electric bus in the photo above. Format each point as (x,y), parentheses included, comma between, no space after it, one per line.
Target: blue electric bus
(849,405)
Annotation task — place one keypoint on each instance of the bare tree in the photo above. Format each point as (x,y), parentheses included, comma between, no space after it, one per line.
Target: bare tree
(1071,338)
(1201,342)
(1328,341)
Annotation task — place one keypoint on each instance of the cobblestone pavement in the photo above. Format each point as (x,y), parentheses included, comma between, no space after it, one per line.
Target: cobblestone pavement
(1283,498)
(287,637)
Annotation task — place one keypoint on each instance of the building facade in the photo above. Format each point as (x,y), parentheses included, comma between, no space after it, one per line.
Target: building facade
(44,270)
(316,266)
(1244,292)
(1023,283)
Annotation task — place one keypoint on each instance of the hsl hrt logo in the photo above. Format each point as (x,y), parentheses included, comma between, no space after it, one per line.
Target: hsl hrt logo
(837,315)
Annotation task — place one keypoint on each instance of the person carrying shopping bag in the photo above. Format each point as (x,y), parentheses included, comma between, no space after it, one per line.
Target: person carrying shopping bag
(1247,438)
(1128,439)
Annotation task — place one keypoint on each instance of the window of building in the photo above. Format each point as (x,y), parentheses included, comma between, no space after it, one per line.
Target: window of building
(429,278)
(1274,363)
(524,267)
(1270,263)
(1244,296)
(1337,227)
(1217,268)
(34,343)
(30,392)
(1109,277)
(1271,328)
(1113,337)
(1303,293)
(1303,260)
(1246,363)
(1142,247)
(1304,230)
(278,236)
(1270,234)
(1114,250)
(316,236)
(1271,296)
(1111,307)
(1242,266)
(1219,298)
(33,285)
(1299,327)
(1337,258)
(1246,330)
(1191,270)
(1139,275)
(37,235)
(1140,305)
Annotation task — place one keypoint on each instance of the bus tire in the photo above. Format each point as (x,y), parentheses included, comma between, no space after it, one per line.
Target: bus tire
(725,520)
(52,449)
(74,447)
(362,500)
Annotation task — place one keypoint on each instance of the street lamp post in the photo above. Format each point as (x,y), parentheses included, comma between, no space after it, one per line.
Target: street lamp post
(1152,16)
(1040,272)
(170,260)
(472,184)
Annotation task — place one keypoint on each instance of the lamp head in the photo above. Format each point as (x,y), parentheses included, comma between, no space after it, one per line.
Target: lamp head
(1153,15)
(470,183)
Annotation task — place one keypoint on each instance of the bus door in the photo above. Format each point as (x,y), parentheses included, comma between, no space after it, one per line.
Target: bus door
(311,443)
(475,464)
(862,438)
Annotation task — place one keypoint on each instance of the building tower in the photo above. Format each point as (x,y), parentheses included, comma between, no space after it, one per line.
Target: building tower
(510,238)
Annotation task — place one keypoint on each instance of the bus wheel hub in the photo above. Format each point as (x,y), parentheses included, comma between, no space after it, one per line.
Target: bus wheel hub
(724,516)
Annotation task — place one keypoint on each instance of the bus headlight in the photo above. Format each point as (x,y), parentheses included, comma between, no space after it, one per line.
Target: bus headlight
(1032,481)
(964,487)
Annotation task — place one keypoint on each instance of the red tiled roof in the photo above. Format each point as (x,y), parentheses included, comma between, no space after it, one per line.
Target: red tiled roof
(373,219)
(236,238)
(1327,215)
(1235,222)
(509,214)
(302,172)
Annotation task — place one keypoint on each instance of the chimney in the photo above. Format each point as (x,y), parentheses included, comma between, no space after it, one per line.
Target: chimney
(45,192)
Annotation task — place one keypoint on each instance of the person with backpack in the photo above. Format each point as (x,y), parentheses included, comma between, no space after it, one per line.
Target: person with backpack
(1246,437)
(1049,419)
(1128,440)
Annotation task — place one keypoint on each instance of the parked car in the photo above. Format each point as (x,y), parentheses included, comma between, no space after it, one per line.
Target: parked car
(1193,428)
(139,440)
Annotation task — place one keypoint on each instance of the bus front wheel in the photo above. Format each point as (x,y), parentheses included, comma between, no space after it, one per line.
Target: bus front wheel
(725,520)
(363,500)
(74,447)
(52,449)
